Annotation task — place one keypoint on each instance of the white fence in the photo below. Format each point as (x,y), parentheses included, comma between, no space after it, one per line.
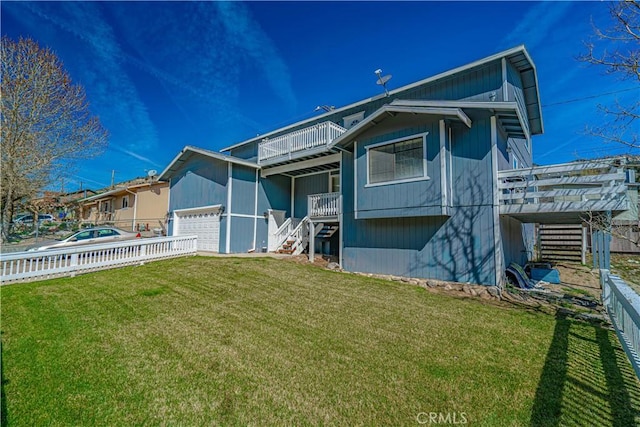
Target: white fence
(318,135)
(623,305)
(40,265)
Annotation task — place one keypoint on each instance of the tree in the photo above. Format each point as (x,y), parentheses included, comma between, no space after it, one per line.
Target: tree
(46,124)
(620,57)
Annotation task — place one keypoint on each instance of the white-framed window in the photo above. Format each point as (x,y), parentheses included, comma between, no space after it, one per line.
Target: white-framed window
(125,202)
(515,163)
(350,121)
(399,160)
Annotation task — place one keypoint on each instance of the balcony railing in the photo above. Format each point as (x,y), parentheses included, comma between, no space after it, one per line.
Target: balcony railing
(324,205)
(314,136)
(570,187)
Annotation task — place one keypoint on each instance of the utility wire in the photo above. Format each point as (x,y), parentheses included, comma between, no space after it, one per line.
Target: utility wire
(568,101)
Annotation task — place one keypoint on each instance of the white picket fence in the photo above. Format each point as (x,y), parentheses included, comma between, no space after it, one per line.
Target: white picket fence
(623,305)
(40,265)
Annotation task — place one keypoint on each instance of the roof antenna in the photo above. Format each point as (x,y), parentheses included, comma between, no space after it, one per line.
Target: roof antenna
(326,108)
(382,80)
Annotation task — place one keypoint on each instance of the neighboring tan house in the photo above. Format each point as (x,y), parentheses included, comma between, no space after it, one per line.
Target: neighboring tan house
(139,207)
(434,179)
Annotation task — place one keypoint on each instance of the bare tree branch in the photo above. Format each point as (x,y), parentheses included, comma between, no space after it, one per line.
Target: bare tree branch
(46,123)
(620,56)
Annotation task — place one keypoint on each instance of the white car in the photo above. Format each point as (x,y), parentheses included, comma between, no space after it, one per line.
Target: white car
(87,237)
(28,219)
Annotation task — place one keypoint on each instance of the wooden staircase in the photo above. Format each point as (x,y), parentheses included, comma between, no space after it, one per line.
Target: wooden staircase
(296,240)
(288,247)
(325,231)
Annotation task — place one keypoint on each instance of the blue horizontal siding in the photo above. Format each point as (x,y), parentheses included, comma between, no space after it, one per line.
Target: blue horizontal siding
(457,248)
(404,199)
(306,185)
(243,190)
(202,181)
(274,193)
(247,152)
(241,234)
(477,84)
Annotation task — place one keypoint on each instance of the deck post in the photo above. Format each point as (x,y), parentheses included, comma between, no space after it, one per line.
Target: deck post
(584,245)
(312,243)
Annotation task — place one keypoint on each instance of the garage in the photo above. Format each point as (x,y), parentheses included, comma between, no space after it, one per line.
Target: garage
(203,222)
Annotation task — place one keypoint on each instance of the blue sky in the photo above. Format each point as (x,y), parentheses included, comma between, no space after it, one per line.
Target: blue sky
(164,75)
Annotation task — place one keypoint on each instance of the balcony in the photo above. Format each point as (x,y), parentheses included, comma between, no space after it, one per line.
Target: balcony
(324,205)
(562,193)
(294,144)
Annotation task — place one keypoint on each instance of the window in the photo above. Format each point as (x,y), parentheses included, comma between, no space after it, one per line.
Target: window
(125,202)
(516,163)
(84,235)
(397,161)
(107,233)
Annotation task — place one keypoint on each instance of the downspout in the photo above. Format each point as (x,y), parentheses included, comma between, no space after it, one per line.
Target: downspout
(255,214)
(135,208)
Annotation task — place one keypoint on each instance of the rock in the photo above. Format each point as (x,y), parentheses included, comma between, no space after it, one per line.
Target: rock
(466,289)
(430,284)
(493,291)
(448,287)
(414,281)
(333,266)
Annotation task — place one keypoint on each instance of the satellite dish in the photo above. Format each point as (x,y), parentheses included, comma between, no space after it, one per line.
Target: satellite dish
(382,80)
(152,173)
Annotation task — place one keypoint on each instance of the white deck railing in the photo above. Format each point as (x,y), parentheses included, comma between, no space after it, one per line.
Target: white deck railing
(300,236)
(324,205)
(284,232)
(39,265)
(318,135)
(623,305)
(570,187)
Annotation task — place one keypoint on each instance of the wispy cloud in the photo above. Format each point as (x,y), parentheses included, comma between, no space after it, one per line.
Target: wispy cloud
(199,66)
(540,20)
(252,40)
(134,155)
(111,90)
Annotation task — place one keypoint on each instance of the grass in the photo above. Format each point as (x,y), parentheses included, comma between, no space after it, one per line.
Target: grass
(229,341)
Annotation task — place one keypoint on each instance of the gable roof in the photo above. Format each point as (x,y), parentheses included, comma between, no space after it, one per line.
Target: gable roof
(518,56)
(189,150)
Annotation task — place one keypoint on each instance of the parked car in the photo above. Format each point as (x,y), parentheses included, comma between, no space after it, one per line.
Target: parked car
(87,236)
(28,218)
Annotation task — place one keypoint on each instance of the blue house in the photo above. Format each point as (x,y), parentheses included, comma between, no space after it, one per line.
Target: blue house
(434,179)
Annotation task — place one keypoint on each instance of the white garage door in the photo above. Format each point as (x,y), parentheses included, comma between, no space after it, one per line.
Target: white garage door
(202,222)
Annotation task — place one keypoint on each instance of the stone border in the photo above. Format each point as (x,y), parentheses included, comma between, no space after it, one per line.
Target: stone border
(479,291)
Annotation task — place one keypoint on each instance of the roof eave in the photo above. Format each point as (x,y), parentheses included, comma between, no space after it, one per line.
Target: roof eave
(165,175)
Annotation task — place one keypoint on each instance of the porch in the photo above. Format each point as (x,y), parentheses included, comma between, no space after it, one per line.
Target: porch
(564,193)
(295,235)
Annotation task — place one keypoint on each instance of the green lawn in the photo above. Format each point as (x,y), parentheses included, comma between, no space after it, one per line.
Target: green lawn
(230,341)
